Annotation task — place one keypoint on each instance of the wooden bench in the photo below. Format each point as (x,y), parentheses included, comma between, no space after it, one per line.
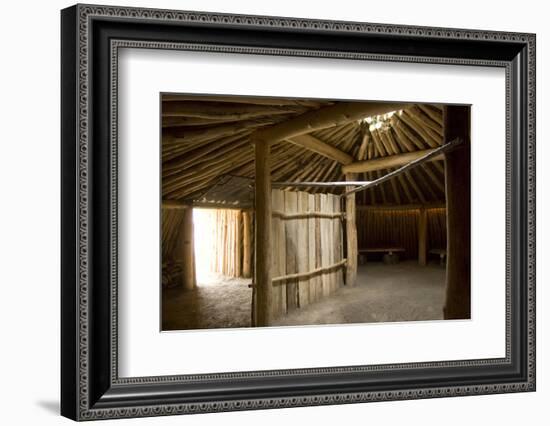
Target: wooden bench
(390,255)
(442,253)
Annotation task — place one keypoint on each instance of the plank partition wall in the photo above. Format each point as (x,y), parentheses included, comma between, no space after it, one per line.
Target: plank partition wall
(307,247)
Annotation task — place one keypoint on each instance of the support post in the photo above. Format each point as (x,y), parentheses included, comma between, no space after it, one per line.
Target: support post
(351,235)
(264,294)
(457,184)
(246,244)
(422,236)
(187,250)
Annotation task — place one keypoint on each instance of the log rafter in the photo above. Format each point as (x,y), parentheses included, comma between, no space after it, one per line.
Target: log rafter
(210,136)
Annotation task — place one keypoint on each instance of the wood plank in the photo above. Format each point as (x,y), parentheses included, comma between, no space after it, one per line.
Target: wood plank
(275,261)
(311,249)
(247,249)
(318,247)
(324,247)
(302,251)
(281,254)
(321,148)
(351,237)
(291,206)
(337,226)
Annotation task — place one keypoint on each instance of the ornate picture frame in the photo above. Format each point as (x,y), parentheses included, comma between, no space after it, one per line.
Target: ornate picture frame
(91,38)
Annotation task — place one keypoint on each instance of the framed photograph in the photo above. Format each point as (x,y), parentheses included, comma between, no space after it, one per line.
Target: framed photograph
(263,212)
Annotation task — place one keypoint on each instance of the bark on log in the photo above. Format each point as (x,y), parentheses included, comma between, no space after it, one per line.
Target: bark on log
(264,308)
(322,148)
(387,162)
(457,183)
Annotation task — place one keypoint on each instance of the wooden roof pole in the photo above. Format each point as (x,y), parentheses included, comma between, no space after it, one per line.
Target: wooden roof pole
(321,184)
(334,115)
(429,156)
(389,161)
(322,148)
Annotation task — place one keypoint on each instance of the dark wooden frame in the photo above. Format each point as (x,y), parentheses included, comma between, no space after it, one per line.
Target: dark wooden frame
(90,386)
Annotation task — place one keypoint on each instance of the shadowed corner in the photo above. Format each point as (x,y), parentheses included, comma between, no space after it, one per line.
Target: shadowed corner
(51,406)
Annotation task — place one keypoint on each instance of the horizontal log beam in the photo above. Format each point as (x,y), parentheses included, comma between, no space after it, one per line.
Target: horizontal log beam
(427,206)
(429,156)
(320,184)
(331,116)
(321,148)
(181,205)
(388,161)
(175,204)
(239,99)
(306,215)
(306,275)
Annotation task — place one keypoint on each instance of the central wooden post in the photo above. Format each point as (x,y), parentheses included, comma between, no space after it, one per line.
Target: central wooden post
(422,236)
(262,271)
(457,187)
(351,234)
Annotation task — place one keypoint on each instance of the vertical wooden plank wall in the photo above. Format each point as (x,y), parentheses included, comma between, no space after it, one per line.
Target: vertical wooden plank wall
(303,244)
(291,240)
(279,252)
(227,226)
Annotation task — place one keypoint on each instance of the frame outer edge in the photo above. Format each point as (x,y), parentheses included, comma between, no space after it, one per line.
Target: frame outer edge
(83,13)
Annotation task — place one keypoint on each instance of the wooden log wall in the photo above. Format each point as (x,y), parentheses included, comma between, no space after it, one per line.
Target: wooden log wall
(437,228)
(307,241)
(172,220)
(177,246)
(227,225)
(379,228)
(231,243)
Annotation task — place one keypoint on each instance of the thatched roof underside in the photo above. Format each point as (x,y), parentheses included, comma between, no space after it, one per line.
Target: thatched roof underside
(207,155)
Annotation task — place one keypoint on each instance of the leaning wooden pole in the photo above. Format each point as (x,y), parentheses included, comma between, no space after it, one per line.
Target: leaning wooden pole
(263,281)
(351,236)
(457,184)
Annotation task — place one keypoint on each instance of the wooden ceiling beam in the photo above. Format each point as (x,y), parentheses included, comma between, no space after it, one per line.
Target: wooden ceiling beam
(322,148)
(330,116)
(388,161)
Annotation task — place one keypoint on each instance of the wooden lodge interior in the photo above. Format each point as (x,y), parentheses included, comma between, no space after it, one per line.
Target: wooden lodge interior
(297,211)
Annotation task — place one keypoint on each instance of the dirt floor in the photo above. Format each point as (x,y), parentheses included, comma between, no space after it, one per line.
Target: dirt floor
(217,302)
(384,293)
